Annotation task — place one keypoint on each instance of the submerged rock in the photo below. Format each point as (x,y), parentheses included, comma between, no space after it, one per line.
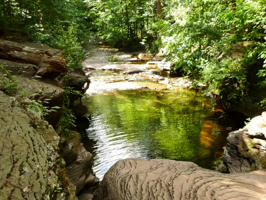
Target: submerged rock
(172,180)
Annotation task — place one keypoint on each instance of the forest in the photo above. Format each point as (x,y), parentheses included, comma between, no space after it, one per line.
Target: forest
(164,138)
(220,43)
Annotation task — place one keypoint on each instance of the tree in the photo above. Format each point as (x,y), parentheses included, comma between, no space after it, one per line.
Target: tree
(59,23)
(124,23)
(159,8)
(219,43)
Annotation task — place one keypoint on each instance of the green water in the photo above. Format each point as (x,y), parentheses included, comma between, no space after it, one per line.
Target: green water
(153,124)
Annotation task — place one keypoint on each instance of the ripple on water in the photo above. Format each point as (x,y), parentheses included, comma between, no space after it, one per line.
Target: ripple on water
(152,124)
(110,146)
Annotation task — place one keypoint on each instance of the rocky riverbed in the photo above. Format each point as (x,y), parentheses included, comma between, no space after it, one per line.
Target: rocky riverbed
(125,72)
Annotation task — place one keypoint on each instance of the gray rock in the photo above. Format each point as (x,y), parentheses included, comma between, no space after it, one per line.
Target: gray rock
(30,166)
(79,163)
(49,95)
(48,61)
(136,179)
(16,68)
(246,148)
(28,155)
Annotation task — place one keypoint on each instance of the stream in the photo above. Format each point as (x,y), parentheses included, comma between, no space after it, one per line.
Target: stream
(148,115)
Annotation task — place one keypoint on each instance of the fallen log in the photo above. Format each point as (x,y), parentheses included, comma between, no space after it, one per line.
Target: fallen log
(48,62)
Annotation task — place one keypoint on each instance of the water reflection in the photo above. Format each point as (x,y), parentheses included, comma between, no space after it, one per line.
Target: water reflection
(152,124)
(111,145)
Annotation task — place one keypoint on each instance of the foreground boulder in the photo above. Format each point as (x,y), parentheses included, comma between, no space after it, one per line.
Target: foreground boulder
(135,179)
(246,148)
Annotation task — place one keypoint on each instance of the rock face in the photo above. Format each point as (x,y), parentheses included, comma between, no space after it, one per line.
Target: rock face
(135,179)
(30,109)
(40,96)
(28,155)
(246,148)
(46,60)
(78,163)
(47,94)
(25,69)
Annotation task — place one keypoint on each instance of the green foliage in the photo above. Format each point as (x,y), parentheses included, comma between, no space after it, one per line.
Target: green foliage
(60,24)
(247,121)
(218,43)
(67,40)
(123,23)
(8,82)
(67,120)
(66,32)
(39,107)
(263,103)
(113,59)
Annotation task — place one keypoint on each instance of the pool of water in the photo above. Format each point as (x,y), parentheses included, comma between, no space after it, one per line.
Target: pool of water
(152,124)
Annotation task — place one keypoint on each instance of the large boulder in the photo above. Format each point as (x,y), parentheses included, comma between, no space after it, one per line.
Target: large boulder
(29,156)
(135,179)
(246,148)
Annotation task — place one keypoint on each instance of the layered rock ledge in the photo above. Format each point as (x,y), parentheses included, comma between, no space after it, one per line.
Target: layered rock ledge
(135,179)
(28,161)
(32,101)
(41,58)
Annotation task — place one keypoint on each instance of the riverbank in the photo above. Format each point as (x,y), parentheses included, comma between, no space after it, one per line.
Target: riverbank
(33,138)
(30,145)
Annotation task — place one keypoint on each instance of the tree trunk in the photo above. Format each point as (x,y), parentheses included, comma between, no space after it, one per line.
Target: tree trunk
(159,8)
(10,13)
